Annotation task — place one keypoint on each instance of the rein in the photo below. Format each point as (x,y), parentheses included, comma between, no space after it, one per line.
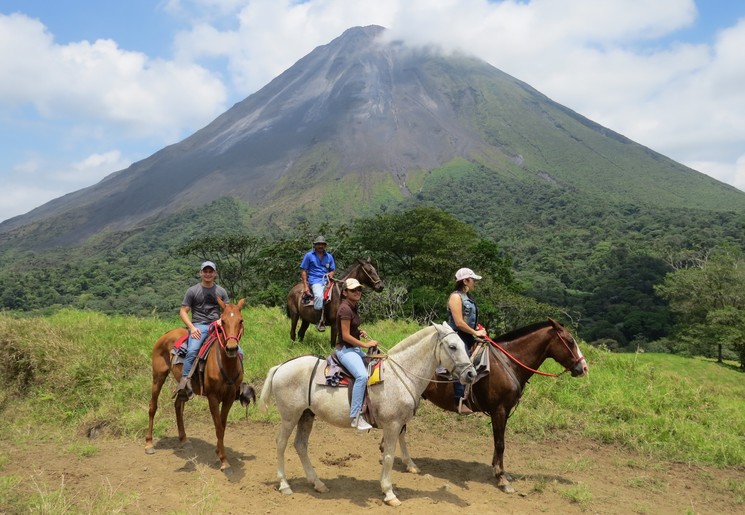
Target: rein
(526,367)
(222,339)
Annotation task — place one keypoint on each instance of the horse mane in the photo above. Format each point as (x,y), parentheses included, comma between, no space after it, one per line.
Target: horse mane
(411,339)
(523,331)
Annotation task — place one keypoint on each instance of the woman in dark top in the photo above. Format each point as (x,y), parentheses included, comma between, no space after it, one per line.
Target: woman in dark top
(463,316)
(349,348)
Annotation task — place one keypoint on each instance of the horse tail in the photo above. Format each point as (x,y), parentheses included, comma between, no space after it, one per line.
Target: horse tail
(266,390)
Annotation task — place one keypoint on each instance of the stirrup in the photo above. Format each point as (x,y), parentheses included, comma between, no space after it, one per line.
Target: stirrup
(183,390)
(463,409)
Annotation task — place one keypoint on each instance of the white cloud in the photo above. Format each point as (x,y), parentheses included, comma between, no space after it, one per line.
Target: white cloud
(100,83)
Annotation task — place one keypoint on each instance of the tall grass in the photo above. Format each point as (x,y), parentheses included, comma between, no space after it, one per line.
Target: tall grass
(78,371)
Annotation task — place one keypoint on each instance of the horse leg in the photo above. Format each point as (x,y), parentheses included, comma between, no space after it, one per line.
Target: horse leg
(157,386)
(405,457)
(499,424)
(302,434)
(285,429)
(218,420)
(303,327)
(179,408)
(390,437)
(293,324)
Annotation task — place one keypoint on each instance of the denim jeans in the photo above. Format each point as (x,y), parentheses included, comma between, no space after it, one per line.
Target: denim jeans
(192,348)
(317,290)
(351,358)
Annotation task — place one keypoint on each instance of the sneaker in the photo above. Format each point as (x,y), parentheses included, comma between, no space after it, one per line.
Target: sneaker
(361,424)
(321,327)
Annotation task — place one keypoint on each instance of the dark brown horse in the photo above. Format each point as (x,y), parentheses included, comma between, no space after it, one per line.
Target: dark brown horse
(362,270)
(223,374)
(513,359)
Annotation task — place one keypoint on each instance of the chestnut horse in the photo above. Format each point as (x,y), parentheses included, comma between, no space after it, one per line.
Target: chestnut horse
(223,374)
(362,270)
(513,359)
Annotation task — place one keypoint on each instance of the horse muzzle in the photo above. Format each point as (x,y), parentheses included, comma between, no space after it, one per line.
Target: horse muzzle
(231,351)
(580,369)
(467,374)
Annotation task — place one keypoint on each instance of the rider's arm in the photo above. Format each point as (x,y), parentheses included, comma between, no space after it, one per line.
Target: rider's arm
(455,303)
(184,314)
(351,340)
(304,277)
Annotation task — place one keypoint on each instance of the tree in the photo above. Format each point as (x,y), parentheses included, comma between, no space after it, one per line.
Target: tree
(422,248)
(708,294)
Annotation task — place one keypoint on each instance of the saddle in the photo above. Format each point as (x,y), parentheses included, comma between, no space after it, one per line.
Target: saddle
(335,375)
(306,299)
(245,393)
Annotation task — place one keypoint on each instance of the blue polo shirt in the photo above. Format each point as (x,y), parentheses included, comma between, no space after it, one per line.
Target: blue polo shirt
(317,268)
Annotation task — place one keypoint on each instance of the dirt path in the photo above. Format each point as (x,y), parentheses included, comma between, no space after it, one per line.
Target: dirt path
(567,476)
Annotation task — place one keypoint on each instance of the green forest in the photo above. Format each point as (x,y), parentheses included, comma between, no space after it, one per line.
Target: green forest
(627,279)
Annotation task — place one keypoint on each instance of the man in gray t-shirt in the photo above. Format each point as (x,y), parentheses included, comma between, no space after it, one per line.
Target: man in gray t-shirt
(201,300)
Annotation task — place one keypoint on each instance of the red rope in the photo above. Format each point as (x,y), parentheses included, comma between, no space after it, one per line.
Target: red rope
(513,358)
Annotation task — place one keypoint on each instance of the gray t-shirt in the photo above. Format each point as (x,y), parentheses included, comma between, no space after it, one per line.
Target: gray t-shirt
(203,302)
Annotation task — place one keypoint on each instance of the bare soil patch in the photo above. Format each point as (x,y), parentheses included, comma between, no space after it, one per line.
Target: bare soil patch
(559,476)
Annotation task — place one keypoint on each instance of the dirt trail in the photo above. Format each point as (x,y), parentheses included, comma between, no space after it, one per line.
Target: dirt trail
(567,476)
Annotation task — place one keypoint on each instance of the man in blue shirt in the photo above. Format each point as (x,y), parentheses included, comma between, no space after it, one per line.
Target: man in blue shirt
(316,270)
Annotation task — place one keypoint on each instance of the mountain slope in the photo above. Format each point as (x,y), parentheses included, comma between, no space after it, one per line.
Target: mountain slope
(357,126)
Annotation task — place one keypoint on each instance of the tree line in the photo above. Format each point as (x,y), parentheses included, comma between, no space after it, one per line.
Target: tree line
(620,293)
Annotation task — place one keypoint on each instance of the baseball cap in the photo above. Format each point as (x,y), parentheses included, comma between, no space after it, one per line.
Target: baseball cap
(208,264)
(465,273)
(352,284)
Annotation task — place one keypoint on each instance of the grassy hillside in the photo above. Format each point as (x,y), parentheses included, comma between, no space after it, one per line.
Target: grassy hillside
(75,371)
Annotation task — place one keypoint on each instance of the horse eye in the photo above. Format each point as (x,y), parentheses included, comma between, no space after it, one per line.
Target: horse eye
(452,346)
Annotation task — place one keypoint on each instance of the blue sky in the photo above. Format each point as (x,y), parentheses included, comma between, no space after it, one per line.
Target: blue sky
(90,87)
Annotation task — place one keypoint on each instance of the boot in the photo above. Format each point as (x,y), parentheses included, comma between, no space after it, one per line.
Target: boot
(463,409)
(321,326)
(245,394)
(183,390)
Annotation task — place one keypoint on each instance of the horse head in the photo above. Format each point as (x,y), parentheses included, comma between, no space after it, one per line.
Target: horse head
(369,276)
(566,351)
(453,355)
(230,330)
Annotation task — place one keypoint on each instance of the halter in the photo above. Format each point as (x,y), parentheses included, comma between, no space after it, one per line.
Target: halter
(223,339)
(411,374)
(577,358)
(372,281)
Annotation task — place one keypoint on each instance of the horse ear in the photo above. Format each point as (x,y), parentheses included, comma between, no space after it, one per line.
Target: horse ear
(554,323)
(241,303)
(221,303)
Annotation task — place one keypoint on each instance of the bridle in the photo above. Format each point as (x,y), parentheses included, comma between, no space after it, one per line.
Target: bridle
(440,341)
(577,358)
(373,281)
(219,334)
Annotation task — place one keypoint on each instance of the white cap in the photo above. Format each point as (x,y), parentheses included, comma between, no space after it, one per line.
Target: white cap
(465,273)
(208,264)
(352,284)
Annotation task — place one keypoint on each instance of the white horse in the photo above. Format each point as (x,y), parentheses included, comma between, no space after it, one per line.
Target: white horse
(409,367)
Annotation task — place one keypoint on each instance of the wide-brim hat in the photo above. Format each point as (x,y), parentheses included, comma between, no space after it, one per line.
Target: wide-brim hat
(466,273)
(320,239)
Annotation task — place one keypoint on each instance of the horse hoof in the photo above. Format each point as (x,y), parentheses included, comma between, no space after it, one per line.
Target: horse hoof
(412,470)
(507,488)
(149,450)
(227,470)
(186,444)
(286,491)
(321,489)
(393,501)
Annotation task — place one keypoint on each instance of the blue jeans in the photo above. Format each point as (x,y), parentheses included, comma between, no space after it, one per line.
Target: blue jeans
(317,290)
(192,348)
(351,358)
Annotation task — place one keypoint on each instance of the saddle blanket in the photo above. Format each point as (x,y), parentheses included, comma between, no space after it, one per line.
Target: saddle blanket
(334,376)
